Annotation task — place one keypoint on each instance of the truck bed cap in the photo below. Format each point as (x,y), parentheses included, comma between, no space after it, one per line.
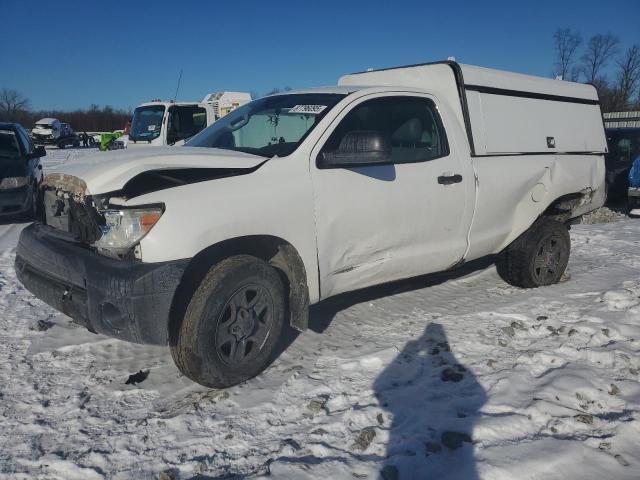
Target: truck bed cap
(504,113)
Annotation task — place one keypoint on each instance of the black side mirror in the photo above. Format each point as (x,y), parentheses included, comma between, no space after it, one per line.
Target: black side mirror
(358,149)
(39,152)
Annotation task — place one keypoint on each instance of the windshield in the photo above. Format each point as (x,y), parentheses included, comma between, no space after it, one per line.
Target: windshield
(9,148)
(268,126)
(44,125)
(146,123)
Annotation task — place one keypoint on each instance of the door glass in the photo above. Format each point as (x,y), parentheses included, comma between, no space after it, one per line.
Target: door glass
(411,124)
(185,122)
(25,142)
(10,153)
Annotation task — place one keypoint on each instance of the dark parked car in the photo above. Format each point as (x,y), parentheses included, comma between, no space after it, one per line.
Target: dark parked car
(624,147)
(20,171)
(72,140)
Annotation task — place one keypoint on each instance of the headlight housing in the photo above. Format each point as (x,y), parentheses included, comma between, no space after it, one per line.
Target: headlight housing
(13,182)
(124,228)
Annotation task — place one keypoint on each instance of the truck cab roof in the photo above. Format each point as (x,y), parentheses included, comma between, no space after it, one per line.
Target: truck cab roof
(168,103)
(338,89)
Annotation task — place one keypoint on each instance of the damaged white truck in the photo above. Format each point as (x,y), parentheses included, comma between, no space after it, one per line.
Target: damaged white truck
(217,247)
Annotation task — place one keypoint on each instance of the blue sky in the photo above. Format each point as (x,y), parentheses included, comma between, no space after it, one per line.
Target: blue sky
(68,54)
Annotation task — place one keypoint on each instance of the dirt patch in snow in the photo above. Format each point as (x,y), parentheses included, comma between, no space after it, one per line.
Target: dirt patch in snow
(604,215)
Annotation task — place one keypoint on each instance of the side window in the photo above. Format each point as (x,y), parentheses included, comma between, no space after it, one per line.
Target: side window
(411,124)
(25,142)
(185,122)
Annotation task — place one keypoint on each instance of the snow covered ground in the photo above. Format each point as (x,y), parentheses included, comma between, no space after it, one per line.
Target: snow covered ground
(449,376)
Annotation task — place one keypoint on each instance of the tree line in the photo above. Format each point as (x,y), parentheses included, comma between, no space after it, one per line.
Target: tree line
(615,72)
(15,107)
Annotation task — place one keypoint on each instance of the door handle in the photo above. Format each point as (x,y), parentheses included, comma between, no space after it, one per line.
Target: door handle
(449,179)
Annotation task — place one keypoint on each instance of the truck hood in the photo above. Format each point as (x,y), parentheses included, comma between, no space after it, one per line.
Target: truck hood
(104,172)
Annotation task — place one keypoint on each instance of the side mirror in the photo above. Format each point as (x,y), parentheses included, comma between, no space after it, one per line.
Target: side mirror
(358,149)
(39,152)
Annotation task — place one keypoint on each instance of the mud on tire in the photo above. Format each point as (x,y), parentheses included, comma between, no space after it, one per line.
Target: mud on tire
(232,324)
(538,257)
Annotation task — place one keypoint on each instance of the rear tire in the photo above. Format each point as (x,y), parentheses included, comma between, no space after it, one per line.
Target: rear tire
(233,323)
(538,257)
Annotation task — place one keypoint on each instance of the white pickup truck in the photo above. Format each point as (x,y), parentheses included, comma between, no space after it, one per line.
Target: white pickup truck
(216,247)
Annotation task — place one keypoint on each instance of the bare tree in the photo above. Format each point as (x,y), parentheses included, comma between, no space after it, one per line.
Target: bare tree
(600,49)
(628,77)
(566,43)
(275,90)
(12,104)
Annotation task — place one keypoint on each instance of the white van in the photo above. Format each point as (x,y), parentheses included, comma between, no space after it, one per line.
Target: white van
(216,247)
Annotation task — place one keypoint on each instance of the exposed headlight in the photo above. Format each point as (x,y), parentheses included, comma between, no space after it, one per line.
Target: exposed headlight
(125,228)
(13,182)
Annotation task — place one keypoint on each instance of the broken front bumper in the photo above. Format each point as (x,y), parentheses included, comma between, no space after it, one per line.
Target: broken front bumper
(129,300)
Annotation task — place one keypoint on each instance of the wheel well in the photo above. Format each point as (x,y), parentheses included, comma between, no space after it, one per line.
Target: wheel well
(562,208)
(273,250)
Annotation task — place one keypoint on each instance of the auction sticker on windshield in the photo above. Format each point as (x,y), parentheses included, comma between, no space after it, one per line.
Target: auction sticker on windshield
(311,109)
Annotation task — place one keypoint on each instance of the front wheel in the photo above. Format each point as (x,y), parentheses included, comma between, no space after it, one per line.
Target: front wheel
(232,324)
(538,257)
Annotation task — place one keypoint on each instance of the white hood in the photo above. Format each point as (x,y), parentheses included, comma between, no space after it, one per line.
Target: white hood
(107,172)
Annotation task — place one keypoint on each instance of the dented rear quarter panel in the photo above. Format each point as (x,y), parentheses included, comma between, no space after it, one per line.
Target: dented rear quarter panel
(513,191)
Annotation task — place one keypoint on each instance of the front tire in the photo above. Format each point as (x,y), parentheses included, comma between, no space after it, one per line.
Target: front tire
(232,324)
(538,257)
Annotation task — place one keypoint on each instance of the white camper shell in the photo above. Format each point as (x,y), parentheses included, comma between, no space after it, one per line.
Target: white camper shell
(506,113)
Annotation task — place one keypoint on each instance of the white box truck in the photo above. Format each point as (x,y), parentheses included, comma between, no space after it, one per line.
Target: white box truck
(216,247)
(171,123)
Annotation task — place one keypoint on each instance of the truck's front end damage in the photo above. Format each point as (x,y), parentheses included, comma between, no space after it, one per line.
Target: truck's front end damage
(82,261)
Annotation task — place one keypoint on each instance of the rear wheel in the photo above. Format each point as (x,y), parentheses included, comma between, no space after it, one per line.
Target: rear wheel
(538,257)
(232,324)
